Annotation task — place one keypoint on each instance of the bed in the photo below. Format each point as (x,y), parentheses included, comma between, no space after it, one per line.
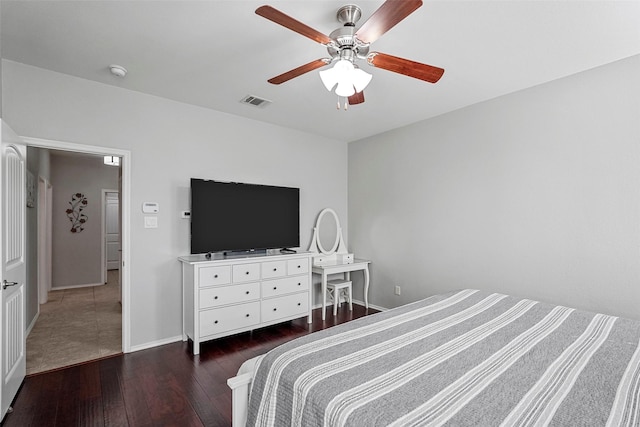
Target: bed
(465,358)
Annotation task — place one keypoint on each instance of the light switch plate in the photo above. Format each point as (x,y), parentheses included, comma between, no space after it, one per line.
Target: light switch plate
(150,222)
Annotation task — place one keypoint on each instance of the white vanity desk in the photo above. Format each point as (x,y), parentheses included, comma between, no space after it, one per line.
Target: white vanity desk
(330,255)
(336,267)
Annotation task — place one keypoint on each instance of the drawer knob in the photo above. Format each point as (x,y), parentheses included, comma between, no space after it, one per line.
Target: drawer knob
(215,276)
(299,284)
(275,309)
(299,266)
(246,272)
(247,292)
(216,297)
(275,287)
(215,323)
(275,269)
(299,303)
(247,315)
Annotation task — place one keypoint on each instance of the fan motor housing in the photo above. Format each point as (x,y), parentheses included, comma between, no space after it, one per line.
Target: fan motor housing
(344,39)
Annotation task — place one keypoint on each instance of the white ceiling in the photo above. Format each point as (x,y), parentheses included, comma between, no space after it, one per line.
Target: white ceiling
(213,53)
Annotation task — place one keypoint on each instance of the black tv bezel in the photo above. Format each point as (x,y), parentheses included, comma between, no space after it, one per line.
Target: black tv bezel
(237,249)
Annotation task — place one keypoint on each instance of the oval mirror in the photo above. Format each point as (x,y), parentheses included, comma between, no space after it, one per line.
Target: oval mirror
(328,228)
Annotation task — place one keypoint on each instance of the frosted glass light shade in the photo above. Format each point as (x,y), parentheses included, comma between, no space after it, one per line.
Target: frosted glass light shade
(345,88)
(360,79)
(348,79)
(329,78)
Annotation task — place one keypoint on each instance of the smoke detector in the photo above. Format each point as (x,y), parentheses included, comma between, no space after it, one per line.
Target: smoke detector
(118,70)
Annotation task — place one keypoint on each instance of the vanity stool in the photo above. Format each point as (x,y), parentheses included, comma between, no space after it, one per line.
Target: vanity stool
(337,288)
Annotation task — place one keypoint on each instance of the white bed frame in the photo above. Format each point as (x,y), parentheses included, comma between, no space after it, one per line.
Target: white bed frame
(240,386)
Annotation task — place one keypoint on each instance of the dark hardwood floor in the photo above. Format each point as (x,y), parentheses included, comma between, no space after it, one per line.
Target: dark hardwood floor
(162,386)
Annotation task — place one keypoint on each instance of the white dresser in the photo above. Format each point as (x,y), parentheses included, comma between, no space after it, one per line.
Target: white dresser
(224,296)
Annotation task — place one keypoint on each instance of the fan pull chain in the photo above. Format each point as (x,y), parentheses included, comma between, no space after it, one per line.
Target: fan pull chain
(346,103)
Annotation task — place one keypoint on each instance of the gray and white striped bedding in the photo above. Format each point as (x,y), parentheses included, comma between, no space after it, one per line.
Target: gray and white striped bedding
(466,358)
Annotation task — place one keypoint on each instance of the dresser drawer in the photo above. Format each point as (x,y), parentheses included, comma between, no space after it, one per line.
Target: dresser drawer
(286,306)
(220,320)
(223,295)
(212,276)
(246,273)
(286,285)
(274,269)
(297,266)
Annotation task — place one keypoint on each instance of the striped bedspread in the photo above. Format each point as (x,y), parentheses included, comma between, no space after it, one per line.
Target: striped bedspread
(466,358)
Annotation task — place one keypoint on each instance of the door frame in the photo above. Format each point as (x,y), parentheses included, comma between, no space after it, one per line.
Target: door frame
(125,217)
(103,239)
(45,214)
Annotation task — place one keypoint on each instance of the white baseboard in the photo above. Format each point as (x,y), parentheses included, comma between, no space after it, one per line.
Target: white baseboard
(356,301)
(88,285)
(152,344)
(32,324)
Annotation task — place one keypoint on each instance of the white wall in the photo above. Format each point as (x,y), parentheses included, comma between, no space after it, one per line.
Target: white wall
(77,256)
(536,193)
(171,142)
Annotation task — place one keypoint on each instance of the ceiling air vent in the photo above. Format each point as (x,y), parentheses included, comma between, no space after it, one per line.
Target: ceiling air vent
(255,101)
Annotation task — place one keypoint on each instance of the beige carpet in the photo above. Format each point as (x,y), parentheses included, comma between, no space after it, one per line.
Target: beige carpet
(76,325)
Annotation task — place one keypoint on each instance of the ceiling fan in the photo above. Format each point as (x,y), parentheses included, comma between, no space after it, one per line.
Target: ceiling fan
(347,45)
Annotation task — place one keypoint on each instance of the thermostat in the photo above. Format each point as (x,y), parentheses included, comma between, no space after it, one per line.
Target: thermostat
(150,207)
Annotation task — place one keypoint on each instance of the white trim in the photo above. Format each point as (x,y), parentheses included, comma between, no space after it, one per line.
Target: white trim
(44,239)
(103,255)
(125,200)
(356,301)
(157,343)
(103,234)
(84,285)
(33,322)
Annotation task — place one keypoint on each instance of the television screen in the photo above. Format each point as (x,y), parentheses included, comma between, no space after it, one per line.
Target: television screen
(230,216)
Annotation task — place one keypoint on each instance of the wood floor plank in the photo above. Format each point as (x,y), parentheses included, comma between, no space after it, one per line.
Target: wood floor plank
(80,402)
(114,409)
(164,385)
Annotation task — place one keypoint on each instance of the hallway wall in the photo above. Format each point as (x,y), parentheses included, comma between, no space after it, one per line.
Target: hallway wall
(77,256)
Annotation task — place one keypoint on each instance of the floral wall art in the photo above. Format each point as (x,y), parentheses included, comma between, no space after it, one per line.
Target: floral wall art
(78,219)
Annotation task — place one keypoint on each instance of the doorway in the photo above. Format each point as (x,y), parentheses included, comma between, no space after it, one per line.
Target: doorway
(111,229)
(122,276)
(81,319)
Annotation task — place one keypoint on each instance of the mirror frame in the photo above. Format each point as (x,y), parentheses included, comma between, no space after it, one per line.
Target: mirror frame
(338,231)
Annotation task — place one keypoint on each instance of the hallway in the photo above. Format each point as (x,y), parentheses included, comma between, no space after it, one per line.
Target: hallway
(75,326)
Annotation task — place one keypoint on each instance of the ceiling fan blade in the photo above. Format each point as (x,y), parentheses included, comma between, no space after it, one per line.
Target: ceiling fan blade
(313,65)
(425,72)
(286,21)
(386,17)
(356,98)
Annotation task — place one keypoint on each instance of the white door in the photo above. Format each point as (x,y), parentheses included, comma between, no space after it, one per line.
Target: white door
(112,230)
(13,271)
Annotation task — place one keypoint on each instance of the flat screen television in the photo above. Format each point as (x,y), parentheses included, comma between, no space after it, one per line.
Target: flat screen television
(232,217)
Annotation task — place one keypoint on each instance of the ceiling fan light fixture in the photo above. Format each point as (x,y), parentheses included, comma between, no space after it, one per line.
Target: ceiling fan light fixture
(348,79)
